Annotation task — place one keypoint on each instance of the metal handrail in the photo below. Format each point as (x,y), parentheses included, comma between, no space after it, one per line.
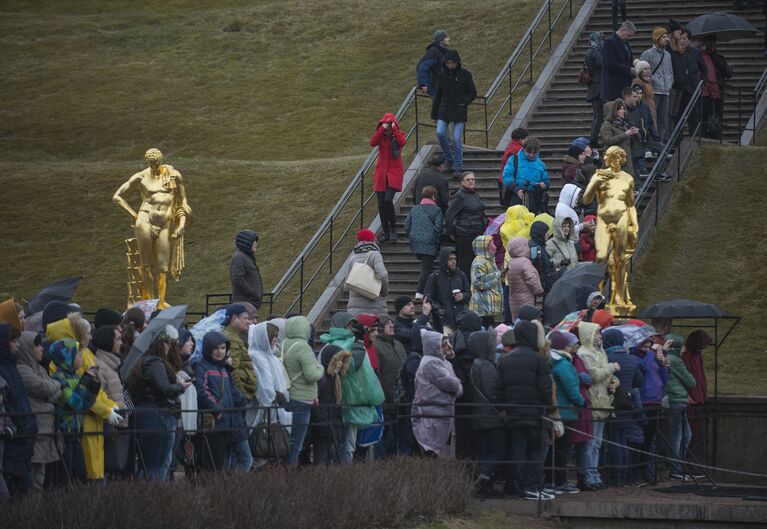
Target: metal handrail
(411,102)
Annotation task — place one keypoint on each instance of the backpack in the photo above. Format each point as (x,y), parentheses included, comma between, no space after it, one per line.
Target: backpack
(506,193)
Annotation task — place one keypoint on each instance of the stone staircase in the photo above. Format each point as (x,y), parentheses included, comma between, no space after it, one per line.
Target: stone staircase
(563,114)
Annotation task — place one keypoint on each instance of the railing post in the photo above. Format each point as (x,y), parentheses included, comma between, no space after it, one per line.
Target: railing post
(415,102)
(700,116)
(570,2)
(753,126)
(657,203)
(740,115)
(530,36)
(511,92)
(487,131)
(362,200)
(301,294)
(330,247)
(548,10)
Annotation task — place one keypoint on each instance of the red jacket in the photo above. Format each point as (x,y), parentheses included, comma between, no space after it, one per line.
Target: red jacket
(588,246)
(388,169)
(514,147)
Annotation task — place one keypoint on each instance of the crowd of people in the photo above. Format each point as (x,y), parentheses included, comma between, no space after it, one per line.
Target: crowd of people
(475,375)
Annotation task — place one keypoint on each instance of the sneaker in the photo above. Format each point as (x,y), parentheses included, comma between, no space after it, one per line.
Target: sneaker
(418,296)
(637,483)
(548,488)
(535,495)
(567,488)
(648,154)
(393,237)
(697,474)
(679,476)
(663,177)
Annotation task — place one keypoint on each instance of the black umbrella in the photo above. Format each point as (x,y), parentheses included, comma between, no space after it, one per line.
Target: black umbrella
(683,308)
(724,25)
(562,299)
(61,290)
(173,316)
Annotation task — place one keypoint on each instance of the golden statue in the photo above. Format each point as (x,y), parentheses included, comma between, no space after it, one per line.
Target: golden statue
(159,223)
(617,226)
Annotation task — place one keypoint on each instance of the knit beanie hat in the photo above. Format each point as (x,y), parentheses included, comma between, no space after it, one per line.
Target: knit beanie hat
(657,33)
(575,150)
(596,37)
(581,142)
(509,339)
(401,302)
(106,317)
(104,337)
(54,311)
(366,236)
(245,239)
(439,36)
(612,337)
(642,65)
(561,339)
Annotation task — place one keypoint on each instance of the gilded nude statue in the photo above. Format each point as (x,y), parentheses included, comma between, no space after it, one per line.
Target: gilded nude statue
(617,226)
(158,224)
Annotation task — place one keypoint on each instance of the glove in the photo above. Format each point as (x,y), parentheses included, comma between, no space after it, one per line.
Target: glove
(559,428)
(114,418)
(585,378)
(564,262)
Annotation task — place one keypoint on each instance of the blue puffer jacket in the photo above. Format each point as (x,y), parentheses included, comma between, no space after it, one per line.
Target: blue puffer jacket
(630,375)
(216,391)
(529,171)
(655,377)
(568,385)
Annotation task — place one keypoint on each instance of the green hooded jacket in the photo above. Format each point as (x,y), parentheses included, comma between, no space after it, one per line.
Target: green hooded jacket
(680,380)
(304,371)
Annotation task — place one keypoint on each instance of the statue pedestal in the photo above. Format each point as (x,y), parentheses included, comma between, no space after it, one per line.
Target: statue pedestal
(622,310)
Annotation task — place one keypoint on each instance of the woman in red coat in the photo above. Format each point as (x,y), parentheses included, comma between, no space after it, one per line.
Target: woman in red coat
(387,180)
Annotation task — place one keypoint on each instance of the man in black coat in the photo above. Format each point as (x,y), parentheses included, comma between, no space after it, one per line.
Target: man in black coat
(689,68)
(405,319)
(430,65)
(525,386)
(448,290)
(455,90)
(617,60)
(243,270)
(434,176)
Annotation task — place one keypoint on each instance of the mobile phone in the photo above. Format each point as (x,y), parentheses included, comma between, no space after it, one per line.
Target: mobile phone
(427,299)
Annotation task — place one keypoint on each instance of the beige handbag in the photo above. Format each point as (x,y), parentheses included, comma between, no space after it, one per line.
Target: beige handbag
(362,280)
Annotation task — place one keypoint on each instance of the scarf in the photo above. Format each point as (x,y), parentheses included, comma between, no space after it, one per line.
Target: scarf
(621,122)
(427,201)
(365,247)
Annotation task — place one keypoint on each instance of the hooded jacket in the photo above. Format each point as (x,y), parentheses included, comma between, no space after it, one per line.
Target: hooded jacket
(93,422)
(614,133)
(570,168)
(516,224)
(530,173)
(440,285)
(588,244)
(524,378)
(78,393)
(630,375)
(454,92)
(300,363)
(514,147)
(389,169)
(600,370)
(243,271)
(465,215)
(522,277)
(680,380)
(567,383)
(359,304)
(423,226)
(269,369)
(569,199)
(560,247)
(660,62)
(42,392)
(486,291)
(594,65)
(436,388)
(483,378)
(539,255)
(21,448)
(430,66)
(697,341)
(391,355)
(215,390)
(654,377)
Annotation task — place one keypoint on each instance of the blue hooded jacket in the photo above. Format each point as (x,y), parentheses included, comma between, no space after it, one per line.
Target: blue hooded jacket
(216,391)
(655,377)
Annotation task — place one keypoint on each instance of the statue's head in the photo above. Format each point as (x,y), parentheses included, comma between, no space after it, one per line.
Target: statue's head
(615,156)
(154,158)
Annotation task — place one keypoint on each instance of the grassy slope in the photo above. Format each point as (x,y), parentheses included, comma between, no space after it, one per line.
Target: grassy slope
(267,124)
(711,247)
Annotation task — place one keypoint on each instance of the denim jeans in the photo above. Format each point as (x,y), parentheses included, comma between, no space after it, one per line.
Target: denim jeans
(240,456)
(489,449)
(528,450)
(455,154)
(302,412)
(591,455)
(679,436)
(348,444)
(157,444)
(619,456)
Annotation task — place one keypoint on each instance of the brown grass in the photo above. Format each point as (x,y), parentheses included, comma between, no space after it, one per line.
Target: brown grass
(376,495)
(710,246)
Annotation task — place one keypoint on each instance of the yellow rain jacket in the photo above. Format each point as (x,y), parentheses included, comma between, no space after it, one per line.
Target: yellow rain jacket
(517,224)
(93,423)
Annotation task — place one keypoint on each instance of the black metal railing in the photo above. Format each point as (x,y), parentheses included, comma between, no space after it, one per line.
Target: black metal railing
(320,256)
(748,101)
